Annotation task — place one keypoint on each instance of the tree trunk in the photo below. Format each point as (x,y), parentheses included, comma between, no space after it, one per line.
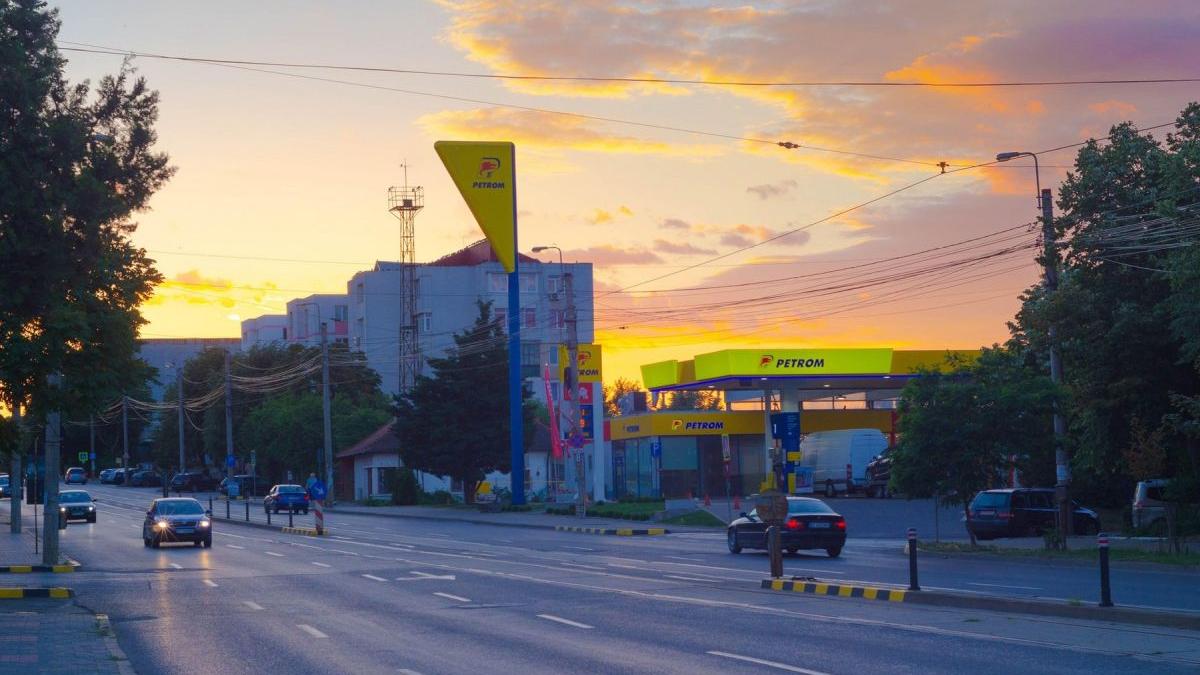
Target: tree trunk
(967,514)
(469,487)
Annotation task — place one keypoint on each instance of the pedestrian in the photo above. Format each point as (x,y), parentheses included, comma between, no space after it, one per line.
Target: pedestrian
(312,480)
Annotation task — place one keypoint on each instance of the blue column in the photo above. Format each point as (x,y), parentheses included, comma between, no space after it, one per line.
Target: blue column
(515,417)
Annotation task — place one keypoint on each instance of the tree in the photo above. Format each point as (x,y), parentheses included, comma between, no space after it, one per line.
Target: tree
(695,400)
(456,423)
(614,392)
(73,168)
(961,429)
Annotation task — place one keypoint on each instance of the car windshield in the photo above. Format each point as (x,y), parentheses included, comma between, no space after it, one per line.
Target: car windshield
(74,497)
(290,488)
(808,506)
(183,507)
(990,500)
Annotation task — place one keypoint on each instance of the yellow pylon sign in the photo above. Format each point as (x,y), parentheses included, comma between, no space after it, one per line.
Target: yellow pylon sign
(485,175)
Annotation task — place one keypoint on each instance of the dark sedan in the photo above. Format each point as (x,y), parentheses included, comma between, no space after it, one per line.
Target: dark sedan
(145,479)
(193,481)
(810,524)
(177,519)
(76,505)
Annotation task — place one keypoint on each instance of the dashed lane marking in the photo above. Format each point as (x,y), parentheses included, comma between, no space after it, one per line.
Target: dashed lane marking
(580,548)
(770,664)
(311,631)
(566,622)
(210,583)
(373,577)
(277,555)
(240,548)
(456,598)
(586,567)
(252,605)
(672,576)
(320,564)
(177,566)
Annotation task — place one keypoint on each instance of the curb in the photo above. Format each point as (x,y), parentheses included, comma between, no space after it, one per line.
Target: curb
(28,569)
(110,642)
(840,590)
(20,593)
(617,531)
(306,531)
(476,521)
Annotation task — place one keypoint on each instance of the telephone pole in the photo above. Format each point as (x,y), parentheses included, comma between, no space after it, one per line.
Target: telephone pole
(52,515)
(92,441)
(179,405)
(328,424)
(572,381)
(17,478)
(1062,463)
(125,436)
(228,412)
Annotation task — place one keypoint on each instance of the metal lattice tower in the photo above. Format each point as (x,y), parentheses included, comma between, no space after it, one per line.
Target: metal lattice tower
(404,202)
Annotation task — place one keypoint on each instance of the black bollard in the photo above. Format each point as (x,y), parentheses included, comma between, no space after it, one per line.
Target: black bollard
(1105,590)
(268,516)
(775,551)
(247,510)
(227,517)
(290,512)
(912,560)
(210,504)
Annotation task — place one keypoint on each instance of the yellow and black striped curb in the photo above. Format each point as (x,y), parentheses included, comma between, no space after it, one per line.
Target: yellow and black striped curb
(28,569)
(617,531)
(17,593)
(840,590)
(306,531)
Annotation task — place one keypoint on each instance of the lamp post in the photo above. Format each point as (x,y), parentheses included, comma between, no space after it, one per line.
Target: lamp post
(571,382)
(327,424)
(1050,263)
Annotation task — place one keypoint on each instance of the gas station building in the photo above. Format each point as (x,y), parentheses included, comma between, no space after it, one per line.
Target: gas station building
(680,453)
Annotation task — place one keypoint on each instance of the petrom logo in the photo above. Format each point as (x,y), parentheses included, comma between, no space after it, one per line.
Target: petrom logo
(583,369)
(676,425)
(799,363)
(765,360)
(488,166)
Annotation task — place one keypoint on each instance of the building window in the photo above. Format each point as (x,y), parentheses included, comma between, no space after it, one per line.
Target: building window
(531,359)
(340,312)
(424,322)
(529,283)
(359,293)
(497,282)
(554,285)
(529,317)
(558,318)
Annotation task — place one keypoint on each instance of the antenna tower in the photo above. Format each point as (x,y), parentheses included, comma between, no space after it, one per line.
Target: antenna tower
(404,203)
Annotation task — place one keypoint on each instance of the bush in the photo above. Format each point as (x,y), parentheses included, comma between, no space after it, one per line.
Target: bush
(402,483)
(439,498)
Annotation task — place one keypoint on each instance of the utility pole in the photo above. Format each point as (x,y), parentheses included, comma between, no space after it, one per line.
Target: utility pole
(125,436)
(92,442)
(52,516)
(17,478)
(325,412)
(1062,469)
(572,381)
(228,412)
(179,405)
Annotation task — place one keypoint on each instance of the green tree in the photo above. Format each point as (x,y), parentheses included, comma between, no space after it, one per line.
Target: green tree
(695,400)
(614,392)
(961,429)
(456,423)
(75,165)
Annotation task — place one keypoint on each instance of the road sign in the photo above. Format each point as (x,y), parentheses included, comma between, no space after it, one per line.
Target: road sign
(786,427)
(317,491)
(230,461)
(83,457)
(656,449)
(91,455)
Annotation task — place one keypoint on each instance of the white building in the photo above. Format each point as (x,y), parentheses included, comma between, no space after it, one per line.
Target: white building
(305,316)
(266,329)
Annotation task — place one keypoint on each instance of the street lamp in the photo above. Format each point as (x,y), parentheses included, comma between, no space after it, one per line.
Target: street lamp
(1050,262)
(327,424)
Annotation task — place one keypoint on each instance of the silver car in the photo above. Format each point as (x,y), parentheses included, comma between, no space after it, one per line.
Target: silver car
(1149,507)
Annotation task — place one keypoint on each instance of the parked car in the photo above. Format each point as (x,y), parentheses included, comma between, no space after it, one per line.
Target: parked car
(839,459)
(77,505)
(1023,512)
(177,519)
(879,472)
(145,478)
(286,497)
(4,486)
(119,475)
(810,524)
(193,481)
(75,475)
(248,486)
(106,476)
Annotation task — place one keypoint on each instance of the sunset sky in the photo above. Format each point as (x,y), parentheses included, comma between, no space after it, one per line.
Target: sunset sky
(281,183)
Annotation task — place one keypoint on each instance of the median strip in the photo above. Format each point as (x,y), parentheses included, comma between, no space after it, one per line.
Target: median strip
(615,531)
(19,593)
(840,590)
(29,569)
(306,531)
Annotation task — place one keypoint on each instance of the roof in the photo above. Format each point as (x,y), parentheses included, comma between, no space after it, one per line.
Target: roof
(476,254)
(381,441)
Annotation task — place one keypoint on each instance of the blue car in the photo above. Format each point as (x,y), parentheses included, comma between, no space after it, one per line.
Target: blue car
(286,498)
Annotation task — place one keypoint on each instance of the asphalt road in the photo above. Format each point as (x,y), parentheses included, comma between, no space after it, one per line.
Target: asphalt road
(391,595)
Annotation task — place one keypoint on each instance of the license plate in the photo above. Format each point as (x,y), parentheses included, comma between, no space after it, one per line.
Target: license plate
(987,513)
(186,530)
(819,526)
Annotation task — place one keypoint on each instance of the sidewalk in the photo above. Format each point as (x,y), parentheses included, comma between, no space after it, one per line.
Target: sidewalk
(23,548)
(508,518)
(54,637)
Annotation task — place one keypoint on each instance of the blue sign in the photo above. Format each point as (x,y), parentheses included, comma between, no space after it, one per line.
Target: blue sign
(786,427)
(230,461)
(91,455)
(656,449)
(576,440)
(317,491)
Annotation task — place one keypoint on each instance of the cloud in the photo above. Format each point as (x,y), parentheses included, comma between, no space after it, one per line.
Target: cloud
(601,216)
(664,246)
(736,240)
(674,224)
(769,190)
(607,254)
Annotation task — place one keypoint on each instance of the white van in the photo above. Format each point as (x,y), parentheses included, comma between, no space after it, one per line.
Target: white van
(839,459)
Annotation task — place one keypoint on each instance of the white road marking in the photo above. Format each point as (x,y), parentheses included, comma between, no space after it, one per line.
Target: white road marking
(241,548)
(764,662)
(338,550)
(435,534)
(320,564)
(677,557)
(210,583)
(423,576)
(311,631)
(672,576)
(559,619)
(586,567)
(1024,588)
(177,566)
(580,548)
(373,577)
(251,604)
(457,598)
(406,671)
(277,555)
(624,567)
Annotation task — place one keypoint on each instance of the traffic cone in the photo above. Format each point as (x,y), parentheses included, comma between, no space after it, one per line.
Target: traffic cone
(707,501)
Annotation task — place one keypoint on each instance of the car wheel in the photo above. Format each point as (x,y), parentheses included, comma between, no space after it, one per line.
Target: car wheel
(829,489)
(196,543)
(154,542)
(833,551)
(792,550)
(306,511)
(91,518)
(208,542)
(732,541)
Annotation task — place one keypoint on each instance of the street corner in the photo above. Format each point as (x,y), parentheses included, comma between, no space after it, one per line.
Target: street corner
(305,531)
(19,593)
(839,590)
(614,531)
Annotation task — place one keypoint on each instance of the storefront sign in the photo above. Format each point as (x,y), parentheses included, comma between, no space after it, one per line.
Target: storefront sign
(765,363)
(591,364)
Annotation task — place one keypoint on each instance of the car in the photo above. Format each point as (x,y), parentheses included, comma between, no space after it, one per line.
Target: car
(119,475)
(1149,505)
(286,497)
(177,519)
(77,505)
(193,481)
(1022,512)
(4,486)
(248,486)
(106,476)
(145,478)
(810,524)
(75,475)
(879,472)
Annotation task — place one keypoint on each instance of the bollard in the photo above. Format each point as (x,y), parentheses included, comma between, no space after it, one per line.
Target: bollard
(775,551)
(290,512)
(268,515)
(210,504)
(227,517)
(319,516)
(912,560)
(247,510)
(1105,590)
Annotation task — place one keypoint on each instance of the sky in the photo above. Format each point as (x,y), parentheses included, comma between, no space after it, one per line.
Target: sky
(700,241)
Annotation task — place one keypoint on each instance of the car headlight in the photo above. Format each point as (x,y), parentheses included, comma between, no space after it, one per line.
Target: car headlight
(204,523)
(91,508)
(63,509)
(162,524)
